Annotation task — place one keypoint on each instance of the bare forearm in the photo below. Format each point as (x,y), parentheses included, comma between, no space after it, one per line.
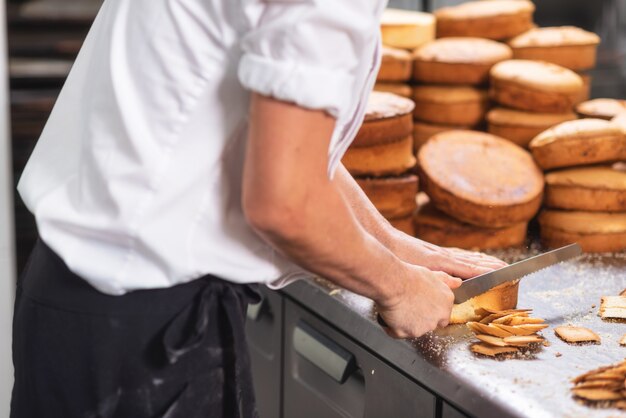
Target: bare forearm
(329,241)
(365,211)
(292,203)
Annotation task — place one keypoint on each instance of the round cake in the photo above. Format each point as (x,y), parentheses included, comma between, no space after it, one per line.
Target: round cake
(601,108)
(535,86)
(486,19)
(395,65)
(387,118)
(594,231)
(394,197)
(458,60)
(499,298)
(399,89)
(436,227)
(579,142)
(521,126)
(450,105)
(388,159)
(567,46)
(594,189)
(406,29)
(480,178)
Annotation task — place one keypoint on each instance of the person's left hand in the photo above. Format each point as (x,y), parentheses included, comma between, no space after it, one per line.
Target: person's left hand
(454,261)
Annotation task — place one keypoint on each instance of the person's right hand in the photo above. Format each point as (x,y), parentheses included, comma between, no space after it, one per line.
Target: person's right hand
(423,303)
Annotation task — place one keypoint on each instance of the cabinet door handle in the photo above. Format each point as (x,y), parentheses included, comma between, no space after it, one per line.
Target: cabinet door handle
(334,360)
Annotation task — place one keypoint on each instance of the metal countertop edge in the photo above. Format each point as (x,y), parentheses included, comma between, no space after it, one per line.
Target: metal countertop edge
(399,354)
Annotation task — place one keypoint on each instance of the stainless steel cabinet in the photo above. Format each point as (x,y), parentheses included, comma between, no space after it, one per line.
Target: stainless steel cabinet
(328,375)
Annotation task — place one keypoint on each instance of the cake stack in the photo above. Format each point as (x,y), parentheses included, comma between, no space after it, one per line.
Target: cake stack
(381,158)
(585,190)
(482,192)
(535,91)
(395,72)
(401,31)
(567,46)
(451,74)
(533,95)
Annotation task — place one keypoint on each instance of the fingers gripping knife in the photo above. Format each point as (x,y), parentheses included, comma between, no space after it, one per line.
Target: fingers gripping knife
(483,283)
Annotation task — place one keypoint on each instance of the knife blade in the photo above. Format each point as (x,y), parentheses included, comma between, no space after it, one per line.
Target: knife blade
(481,284)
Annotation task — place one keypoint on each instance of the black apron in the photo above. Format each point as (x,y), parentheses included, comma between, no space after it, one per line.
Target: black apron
(178,352)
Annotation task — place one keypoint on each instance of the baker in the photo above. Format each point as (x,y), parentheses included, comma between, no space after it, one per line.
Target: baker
(194,152)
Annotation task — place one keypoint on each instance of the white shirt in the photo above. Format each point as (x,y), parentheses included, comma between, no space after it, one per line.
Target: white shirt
(136,179)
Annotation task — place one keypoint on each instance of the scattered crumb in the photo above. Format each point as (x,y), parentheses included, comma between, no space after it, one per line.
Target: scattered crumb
(557,354)
(546,343)
(373,371)
(334,292)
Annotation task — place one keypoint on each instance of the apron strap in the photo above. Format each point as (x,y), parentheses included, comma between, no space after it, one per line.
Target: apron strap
(188,331)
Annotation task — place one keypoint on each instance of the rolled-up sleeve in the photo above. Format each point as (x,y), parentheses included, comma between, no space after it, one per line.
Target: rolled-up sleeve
(310,52)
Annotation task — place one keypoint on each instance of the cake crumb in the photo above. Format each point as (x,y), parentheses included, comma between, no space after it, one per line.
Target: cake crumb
(557,354)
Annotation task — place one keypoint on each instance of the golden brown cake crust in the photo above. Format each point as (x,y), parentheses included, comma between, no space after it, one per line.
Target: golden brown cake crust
(535,86)
(497,299)
(568,46)
(449,105)
(438,228)
(396,65)
(387,119)
(601,108)
(554,36)
(406,29)
(458,60)
(591,189)
(391,158)
(463,51)
(401,89)
(579,142)
(492,20)
(586,92)
(594,231)
(620,122)
(480,179)
(520,126)
(382,131)
(386,105)
(394,197)
(540,76)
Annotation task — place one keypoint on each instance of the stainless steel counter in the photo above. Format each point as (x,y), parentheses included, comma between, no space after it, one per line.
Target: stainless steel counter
(535,385)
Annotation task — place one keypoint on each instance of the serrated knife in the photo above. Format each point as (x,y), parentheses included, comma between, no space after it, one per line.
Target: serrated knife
(481,284)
